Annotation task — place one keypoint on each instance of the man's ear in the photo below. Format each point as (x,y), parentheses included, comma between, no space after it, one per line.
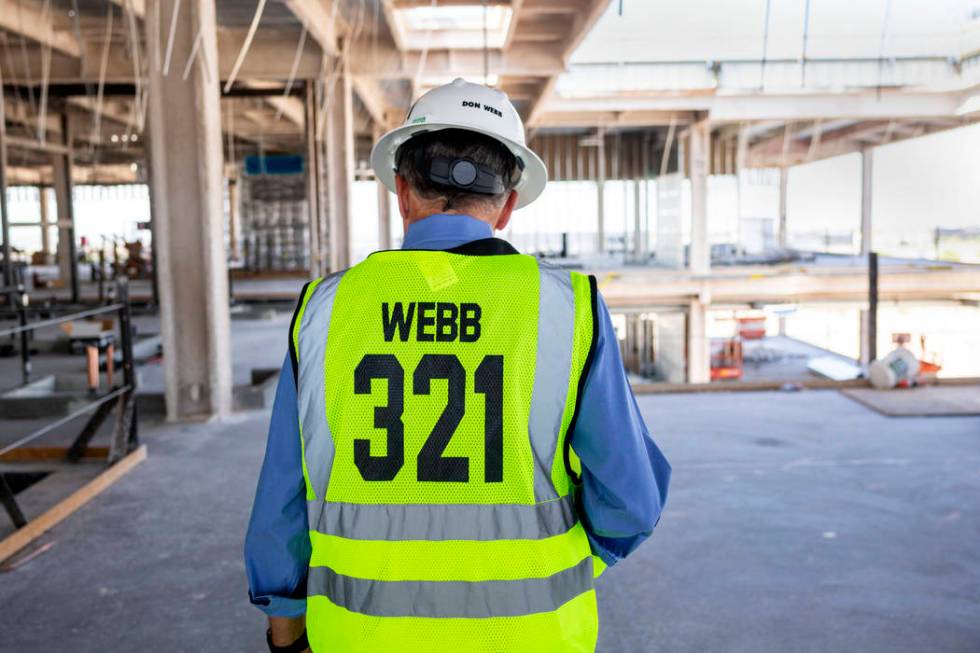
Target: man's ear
(503,219)
(403,190)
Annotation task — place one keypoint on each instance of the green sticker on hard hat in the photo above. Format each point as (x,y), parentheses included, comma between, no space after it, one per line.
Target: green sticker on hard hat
(418,120)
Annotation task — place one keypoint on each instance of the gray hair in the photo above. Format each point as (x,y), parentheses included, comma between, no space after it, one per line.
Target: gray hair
(456,144)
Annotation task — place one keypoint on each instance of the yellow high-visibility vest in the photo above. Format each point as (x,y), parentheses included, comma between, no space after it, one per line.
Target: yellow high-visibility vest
(436,390)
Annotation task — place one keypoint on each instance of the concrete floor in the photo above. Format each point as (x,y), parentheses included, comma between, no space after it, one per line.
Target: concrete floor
(796,522)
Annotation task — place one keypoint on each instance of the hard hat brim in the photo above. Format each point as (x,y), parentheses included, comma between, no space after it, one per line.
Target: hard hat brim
(529,188)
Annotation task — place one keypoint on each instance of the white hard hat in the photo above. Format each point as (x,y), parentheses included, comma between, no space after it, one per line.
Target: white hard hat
(464,105)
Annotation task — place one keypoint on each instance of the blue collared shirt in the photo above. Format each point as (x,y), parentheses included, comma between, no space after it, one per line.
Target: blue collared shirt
(624,474)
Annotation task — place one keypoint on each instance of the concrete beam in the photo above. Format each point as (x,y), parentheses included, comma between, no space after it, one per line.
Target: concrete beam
(290,107)
(386,62)
(552,7)
(612,119)
(409,4)
(517,7)
(138,6)
(734,107)
(30,22)
(322,19)
(265,60)
(394,25)
(186,189)
(787,283)
(581,25)
(102,174)
(375,100)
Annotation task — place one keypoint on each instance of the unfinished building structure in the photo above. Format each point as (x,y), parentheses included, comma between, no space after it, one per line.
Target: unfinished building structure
(202,100)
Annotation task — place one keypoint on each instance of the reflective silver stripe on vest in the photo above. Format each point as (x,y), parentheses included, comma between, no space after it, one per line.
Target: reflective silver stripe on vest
(556,331)
(318,447)
(444,522)
(447,599)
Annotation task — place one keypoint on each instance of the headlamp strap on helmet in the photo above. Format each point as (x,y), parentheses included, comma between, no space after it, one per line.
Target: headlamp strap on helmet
(463,174)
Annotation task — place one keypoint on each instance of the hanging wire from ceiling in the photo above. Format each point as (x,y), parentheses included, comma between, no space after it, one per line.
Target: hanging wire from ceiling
(133,34)
(881,47)
(100,90)
(423,57)
(12,65)
(292,71)
(765,47)
(195,48)
(376,34)
(25,61)
(168,53)
(77,31)
(246,45)
(331,68)
(806,36)
(42,112)
(156,42)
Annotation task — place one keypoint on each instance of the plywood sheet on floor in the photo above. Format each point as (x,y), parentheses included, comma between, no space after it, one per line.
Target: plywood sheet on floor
(924,401)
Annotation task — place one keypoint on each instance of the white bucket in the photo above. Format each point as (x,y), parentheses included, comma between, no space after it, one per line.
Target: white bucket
(900,367)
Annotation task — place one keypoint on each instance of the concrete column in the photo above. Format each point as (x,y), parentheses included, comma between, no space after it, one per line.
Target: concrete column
(186,192)
(340,166)
(783,230)
(314,170)
(8,269)
(44,209)
(601,193)
(154,260)
(867,162)
(384,206)
(67,254)
(698,348)
(699,153)
(637,221)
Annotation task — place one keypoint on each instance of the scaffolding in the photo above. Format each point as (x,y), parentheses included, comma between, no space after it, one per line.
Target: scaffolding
(275,223)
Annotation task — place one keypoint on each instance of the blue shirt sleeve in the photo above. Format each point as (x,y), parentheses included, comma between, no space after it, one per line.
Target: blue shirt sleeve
(624,474)
(277,544)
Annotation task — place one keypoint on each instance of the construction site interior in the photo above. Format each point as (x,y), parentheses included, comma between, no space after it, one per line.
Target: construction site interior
(780,202)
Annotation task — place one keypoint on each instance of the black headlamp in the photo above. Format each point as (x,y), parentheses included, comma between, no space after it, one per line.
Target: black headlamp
(464,174)
(457,173)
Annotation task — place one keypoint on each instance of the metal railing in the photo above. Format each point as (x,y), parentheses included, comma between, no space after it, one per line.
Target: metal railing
(125,436)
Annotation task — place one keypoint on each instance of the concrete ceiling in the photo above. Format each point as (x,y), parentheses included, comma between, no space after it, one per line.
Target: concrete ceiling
(775,112)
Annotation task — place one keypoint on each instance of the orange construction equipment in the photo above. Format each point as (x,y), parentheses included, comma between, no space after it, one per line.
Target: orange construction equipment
(726,358)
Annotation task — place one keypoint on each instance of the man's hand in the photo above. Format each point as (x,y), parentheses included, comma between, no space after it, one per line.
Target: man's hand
(286,630)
